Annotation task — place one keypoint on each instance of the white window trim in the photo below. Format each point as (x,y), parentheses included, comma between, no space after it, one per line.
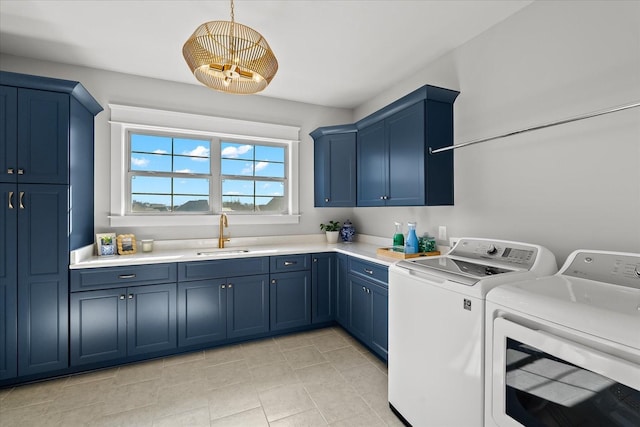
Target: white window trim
(127,118)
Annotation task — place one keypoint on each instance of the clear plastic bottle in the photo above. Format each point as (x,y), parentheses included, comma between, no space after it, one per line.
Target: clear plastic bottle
(411,245)
(398,237)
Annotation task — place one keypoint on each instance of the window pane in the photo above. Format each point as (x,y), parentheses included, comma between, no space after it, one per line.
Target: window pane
(150,184)
(269,188)
(150,203)
(232,187)
(230,150)
(272,154)
(150,162)
(236,167)
(194,186)
(272,170)
(150,144)
(191,147)
(237,204)
(191,165)
(270,204)
(191,204)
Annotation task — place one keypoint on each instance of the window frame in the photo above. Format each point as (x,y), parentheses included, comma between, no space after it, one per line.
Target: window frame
(126,119)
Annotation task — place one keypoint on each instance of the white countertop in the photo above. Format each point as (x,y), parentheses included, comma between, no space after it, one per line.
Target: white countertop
(187,250)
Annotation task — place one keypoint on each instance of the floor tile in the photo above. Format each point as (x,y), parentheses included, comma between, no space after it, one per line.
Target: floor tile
(25,415)
(5,392)
(329,341)
(253,417)
(303,357)
(91,376)
(345,358)
(323,373)
(182,397)
(32,394)
(183,358)
(139,372)
(285,401)
(226,374)
(81,416)
(232,400)
(361,420)
(131,396)
(83,394)
(224,354)
(366,378)
(139,417)
(337,402)
(271,376)
(195,418)
(312,418)
(293,341)
(182,372)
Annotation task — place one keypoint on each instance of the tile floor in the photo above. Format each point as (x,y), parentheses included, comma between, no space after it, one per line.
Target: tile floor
(317,378)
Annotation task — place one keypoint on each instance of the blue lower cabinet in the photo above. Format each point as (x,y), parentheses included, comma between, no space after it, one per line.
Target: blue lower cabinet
(323,287)
(342,290)
(8,284)
(151,318)
(247,305)
(290,295)
(116,323)
(202,312)
(368,314)
(98,326)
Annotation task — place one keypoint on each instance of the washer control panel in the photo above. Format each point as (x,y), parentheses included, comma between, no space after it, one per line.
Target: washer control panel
(505,253)
(617,268)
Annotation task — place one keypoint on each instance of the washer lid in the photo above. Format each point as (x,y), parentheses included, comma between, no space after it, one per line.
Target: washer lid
(604,310)
(458,270)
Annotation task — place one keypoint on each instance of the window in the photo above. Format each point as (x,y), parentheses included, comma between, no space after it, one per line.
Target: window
(169,174)
(174,169)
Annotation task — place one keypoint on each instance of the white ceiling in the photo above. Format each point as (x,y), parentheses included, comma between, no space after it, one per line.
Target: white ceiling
(331,53)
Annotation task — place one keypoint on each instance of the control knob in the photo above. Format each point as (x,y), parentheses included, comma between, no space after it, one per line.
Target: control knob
(492,250)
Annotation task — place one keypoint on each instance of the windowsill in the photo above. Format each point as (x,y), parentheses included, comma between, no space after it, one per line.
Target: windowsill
(198,220)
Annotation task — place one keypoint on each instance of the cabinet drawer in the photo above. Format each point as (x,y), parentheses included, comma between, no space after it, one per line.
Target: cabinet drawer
(113,277)
(201,270)
(370,270)
(290,263)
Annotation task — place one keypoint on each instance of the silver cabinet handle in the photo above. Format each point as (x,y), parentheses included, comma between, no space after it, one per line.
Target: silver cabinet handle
(121,297)
(130,296)
(126,276)
(381,197)
(10,199)
(10,171)
(286,263)
(366,270)
(20,171)
(364,289)
(368,290)
(222,287)
(21,200)
(230,285)
(315,260)
(273,282)
(326,200)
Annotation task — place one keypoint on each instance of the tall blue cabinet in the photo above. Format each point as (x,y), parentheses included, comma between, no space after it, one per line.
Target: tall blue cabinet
(46,178)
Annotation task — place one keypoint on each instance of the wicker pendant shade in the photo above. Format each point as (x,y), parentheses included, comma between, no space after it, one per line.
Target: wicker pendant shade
(230,57)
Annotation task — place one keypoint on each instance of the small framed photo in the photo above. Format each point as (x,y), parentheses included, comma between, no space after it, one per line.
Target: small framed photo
(106,244)
(126,244)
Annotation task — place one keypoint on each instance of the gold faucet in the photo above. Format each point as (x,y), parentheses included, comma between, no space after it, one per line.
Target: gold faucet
(223,223)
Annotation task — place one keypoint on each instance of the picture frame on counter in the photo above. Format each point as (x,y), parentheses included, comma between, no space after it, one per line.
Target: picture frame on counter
(106,244)
(126,244)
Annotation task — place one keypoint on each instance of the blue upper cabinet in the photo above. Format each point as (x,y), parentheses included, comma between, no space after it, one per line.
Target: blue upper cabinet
(394,167)
(335,166)
(8,133)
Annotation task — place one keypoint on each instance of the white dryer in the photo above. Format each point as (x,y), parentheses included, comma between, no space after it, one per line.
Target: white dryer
(565,350)
(436,327)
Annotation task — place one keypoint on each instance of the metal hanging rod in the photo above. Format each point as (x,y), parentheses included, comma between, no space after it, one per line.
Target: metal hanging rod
(546,125)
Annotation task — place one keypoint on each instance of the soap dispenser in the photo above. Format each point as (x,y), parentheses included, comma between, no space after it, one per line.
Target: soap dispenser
(411,246)
(398,237)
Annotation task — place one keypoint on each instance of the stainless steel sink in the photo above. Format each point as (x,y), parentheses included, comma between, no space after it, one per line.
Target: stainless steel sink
(214,252)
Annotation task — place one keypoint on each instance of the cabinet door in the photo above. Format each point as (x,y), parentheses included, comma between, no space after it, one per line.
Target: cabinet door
(342,290)
(43,287)
(8,133)
(8,282)
(98,325)
(290,295)
(323,288)
(406,147)
(373,166)
(151,318)
(380,319)
(247,305)
(335,170)
(202,312)
(43,137)
(359,309)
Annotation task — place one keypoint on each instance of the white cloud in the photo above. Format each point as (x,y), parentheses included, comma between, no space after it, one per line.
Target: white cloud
(160,152)
(184,171)
(258,167)
(234,151)
(139,162)
(199,152)
(261,165)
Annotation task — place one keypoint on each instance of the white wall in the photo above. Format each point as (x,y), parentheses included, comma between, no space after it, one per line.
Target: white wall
(567,187)
(109,87)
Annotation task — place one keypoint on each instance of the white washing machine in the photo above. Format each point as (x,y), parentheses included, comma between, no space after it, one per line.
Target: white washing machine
(565,350)
(436,327)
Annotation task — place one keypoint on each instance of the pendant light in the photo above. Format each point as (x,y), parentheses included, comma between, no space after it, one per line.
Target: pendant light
(230,57)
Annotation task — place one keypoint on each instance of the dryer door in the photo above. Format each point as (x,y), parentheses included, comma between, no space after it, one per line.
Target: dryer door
(540,379)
